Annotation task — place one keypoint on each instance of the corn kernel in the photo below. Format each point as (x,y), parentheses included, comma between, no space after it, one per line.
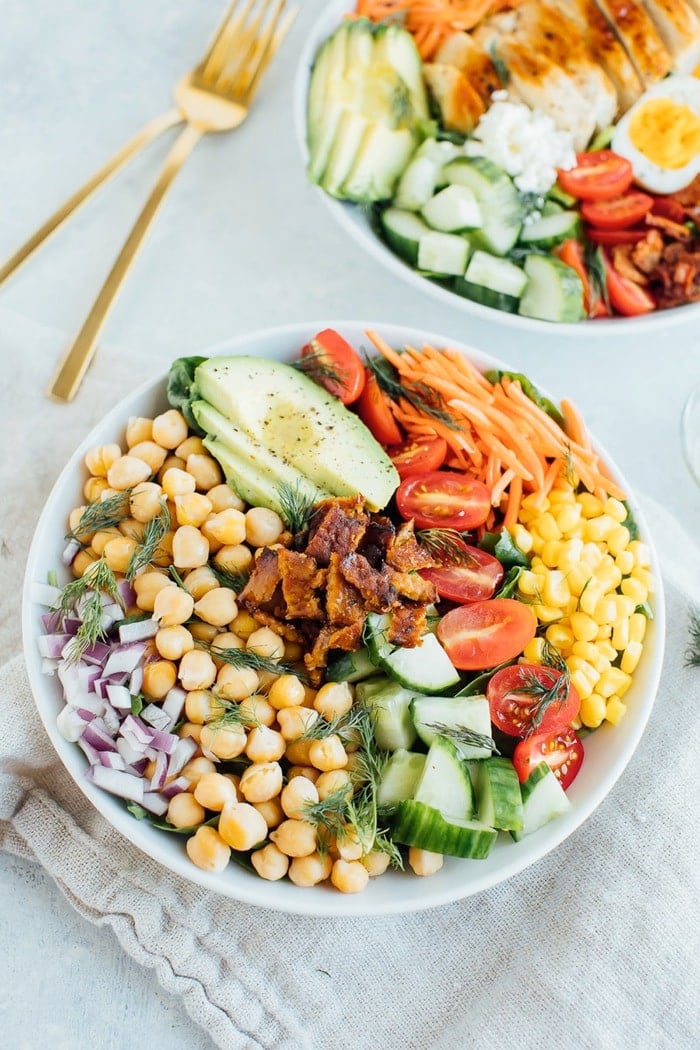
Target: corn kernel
(568,518)
(634,588)
(547,613)
(625,561)
(556,590)
(522,539)
(551,553)
(591,554)
(618,539)
(638,627)
(590,505)
(581,683)
(630,657)
(529,583)
(590,596)
(642,555)
(533,651)
(612,682)
(581,666)
(615,710)
(583,627)
(605,611)
(547,527)
(560,636)
(590,652)
(621,635)
(578,577)
(593,709)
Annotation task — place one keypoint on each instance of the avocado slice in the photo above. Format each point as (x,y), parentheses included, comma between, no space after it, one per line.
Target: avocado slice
(301,424)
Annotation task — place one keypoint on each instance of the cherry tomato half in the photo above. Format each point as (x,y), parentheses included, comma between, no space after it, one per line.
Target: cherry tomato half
(669,208)
(484,634)
(414,457)
(563,753)
(528,698)
(372,406)
(571,252)
(610,237)
(598,176)
(339,367)
(443,499)
(618,213)
(625,296)
(472,576)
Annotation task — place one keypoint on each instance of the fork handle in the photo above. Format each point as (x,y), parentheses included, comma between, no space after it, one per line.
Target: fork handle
(77,358)
(143,138)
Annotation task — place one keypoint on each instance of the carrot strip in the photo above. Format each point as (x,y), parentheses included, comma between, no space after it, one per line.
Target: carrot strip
(515,493)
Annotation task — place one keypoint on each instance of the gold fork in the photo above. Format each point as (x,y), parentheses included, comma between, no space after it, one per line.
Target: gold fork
(216,96)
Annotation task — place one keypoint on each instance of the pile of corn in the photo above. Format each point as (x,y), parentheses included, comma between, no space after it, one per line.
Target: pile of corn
(587,583)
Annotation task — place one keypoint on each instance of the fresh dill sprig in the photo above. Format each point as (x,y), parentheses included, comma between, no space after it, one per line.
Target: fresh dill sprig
(233,716)
(234,579)
(296,507)
(462,735)
(154,533)
(341,725)
(317,365)
(243,658)
(104,515)
(569,469)
(422,397)
(383,844)
(87,590)
(447,545)
(692,655)
(177,577)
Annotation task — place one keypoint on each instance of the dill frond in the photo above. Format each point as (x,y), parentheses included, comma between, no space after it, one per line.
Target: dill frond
(422,397)
(88,589)
(104,515)
(149,548)
(234,579)
(297,507)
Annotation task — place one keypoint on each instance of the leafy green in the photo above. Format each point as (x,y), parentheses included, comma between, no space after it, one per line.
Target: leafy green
(422,396)
(510,582)
(630,524)
(477,685)
(530,390)
(501,545)
(182,388)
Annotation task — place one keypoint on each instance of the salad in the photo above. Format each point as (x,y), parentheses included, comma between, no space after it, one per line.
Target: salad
(535,158)
(352,612)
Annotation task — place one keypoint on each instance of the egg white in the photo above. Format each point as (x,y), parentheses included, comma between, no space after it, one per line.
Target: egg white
(684,90)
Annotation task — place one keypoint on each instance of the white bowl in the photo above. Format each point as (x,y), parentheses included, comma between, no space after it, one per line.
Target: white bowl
(354,221)
(607,751)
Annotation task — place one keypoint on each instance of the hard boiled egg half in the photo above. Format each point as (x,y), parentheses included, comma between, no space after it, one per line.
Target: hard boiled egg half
(660,135)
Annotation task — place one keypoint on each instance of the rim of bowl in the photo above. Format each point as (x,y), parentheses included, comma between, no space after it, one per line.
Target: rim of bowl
(395,896)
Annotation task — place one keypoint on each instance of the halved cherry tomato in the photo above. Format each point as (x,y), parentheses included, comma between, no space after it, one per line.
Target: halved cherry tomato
(562,751)
(443,499)
(340,368)
(609,237)
(625,296)
(525,698)
(472,576)
(598,176)
(483,634)
(669,208)
(618,213)
(412,457)
(372,406)
(571,252)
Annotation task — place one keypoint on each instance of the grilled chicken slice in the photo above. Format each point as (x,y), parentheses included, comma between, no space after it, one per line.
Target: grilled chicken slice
(462,51)
(679,28)
(604,43)
(457,100)
(633,25)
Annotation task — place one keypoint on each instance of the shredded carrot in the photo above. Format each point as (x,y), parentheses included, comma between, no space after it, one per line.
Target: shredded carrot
(494,431)
(432,21)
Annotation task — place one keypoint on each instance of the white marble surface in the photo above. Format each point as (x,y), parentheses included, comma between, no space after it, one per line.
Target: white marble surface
(242,242)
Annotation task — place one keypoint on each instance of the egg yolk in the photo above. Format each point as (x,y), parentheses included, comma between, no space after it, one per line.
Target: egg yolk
(666,132)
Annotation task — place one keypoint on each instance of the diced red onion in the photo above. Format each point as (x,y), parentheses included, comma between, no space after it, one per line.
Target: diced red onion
(52,645)
(164,741)
(155,716)
(125,785)
(98,737)
(176,787)
(112,759)
(133,726)
(119,696)
(174,703)
(136,680)
(155,803)
(51,622)
(97,654)
(185,749)
(48,666)
(70,551)
(112,719)
(86,715)
(131,755)
(137,630)
(124,658)
(70,723)
(90,752)
(44,593)
(160,772)
(126,592)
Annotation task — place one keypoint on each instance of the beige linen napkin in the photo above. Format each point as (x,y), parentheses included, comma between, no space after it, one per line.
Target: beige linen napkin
(593,946)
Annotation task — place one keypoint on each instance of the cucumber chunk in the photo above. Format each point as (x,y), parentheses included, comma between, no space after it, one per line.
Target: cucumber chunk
(500,804)
(391,715)
(554,291)
(417,824)
(417,184)
(425,668)
(445,783)
(350,667)
(551,229)
(435,716)
(453,209)
(400,777)
(443,254)
(544,799)
(492,281)
(501,208)
(403,230)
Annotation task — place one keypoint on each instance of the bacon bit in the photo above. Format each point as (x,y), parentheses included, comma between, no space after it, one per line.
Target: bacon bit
(624,265)
(676,230)
(646,254)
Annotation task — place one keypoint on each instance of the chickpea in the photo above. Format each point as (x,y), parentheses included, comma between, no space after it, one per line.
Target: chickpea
(99,460)
(222,497)
(190,548)
(332,781)
(214,790)
(309,871)
(82,562)
(228,526)
(172,605)
(138,429)
(177,482)
(241,826)
(170,463)
(197,671)
(295,838)
(263,527)
(236,558)
(286,691)
(266,643)
(349,876)
(297,752)
(199,581)
(333,700)
(303,771)
(224,741)
(117,552)
(265,745)
(173,642)
(184,811)
(298,793)
(205,471)
(192,445)
(348,844)
(376,862)
(270,863)
(192,508)
(217,606)
(93,489)
(163,557)
(126,472)
(328,753)
(236,683)
(159,676)
(295,721)
(254,710)
(197,768)
(190,729)
(100,540)
(207,850)
(150,453)
(203,632)
(132,528)
(271,810)
(146,501)
(170,428)
(261,781)
(423,862)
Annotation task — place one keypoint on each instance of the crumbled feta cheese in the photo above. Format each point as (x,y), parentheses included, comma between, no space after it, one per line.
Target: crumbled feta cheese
(524,142)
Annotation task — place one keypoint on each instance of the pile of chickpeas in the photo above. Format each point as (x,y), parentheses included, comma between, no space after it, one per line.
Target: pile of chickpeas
(261,811)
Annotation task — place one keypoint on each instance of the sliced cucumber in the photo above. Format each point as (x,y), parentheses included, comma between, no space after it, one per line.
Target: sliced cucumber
(501,208)
(443,254)
(403,231)
(445,783)
(426,668)
(350,667)
(400,777)
(544,799)
(453,209)
(492,281)
(417,184)
(416,824)
(391,715)
(551,229)
(556,193)
(454,716)
(554,291)
(500,804)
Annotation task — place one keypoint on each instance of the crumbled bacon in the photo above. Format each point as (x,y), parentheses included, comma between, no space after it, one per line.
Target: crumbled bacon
(350,563)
